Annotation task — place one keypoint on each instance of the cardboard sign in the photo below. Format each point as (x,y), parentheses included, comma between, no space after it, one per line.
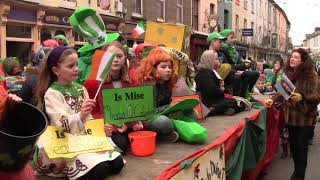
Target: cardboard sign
(171,35)
(122,105)
(197,108)
(210,165)
(59,144)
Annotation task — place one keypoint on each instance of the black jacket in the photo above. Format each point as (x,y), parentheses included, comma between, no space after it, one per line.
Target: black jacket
(163,95)
(27,93)
(226,58)
(208,85)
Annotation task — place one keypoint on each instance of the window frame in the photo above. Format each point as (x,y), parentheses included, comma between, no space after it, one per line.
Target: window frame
(134,12)
(24,27)
(212,8)
(245,4)
(253,6)
(195,14)
(181,7)
(237,21)
(162,19)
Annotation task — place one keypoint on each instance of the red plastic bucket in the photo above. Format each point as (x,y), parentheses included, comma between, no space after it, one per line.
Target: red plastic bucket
(143,143)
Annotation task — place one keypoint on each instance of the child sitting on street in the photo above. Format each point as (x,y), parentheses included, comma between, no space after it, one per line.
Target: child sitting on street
(117,77)
(157,69)
(259,87)
(68,107)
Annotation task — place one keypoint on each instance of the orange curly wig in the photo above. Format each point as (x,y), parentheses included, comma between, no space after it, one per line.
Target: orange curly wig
(147,69)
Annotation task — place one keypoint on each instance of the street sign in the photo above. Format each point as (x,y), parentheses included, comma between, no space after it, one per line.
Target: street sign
(247,32)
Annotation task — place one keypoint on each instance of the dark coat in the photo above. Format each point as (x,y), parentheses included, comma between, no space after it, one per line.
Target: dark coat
(27,93)
(302,113)
(208,85)
(163,95)
(226,58)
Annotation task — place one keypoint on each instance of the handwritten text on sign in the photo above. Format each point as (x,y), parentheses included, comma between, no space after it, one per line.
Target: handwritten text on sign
(209,166)
(123,105)
(58,143)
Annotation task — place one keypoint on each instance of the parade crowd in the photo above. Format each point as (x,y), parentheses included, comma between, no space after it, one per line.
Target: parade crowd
(56,82)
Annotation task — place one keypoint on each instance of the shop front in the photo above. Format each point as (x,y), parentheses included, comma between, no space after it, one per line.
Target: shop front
(198,45)
(54,23)
(20,34)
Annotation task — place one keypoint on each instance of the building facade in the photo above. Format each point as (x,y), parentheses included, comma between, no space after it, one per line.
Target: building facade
(312,43)
(267,22)
(25,24)
(205,19)
(175,12)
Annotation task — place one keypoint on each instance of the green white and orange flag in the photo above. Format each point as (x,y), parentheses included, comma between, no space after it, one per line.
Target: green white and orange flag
(138,30)
(101,62)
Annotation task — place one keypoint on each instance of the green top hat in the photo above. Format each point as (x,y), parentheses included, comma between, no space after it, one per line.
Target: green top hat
(214,35)
(88,24)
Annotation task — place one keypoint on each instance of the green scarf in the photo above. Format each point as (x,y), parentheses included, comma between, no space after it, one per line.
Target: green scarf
(231,50)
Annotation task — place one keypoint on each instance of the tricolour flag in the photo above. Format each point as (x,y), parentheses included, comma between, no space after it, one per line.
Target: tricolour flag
(101,62)
(138,30)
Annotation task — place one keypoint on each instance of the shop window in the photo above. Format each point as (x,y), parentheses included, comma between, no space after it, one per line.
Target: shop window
(60,32)
(18,31)
(21,50)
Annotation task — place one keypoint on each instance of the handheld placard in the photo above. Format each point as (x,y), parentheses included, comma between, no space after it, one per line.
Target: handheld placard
(103,70)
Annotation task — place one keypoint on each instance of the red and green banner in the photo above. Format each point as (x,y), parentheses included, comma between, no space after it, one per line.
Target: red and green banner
(249,147)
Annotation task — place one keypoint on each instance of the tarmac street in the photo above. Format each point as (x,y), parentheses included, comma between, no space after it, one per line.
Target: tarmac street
(282,168)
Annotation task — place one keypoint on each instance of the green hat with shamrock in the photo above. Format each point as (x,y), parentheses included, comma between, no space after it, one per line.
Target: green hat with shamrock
(214,35)
(89,24)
